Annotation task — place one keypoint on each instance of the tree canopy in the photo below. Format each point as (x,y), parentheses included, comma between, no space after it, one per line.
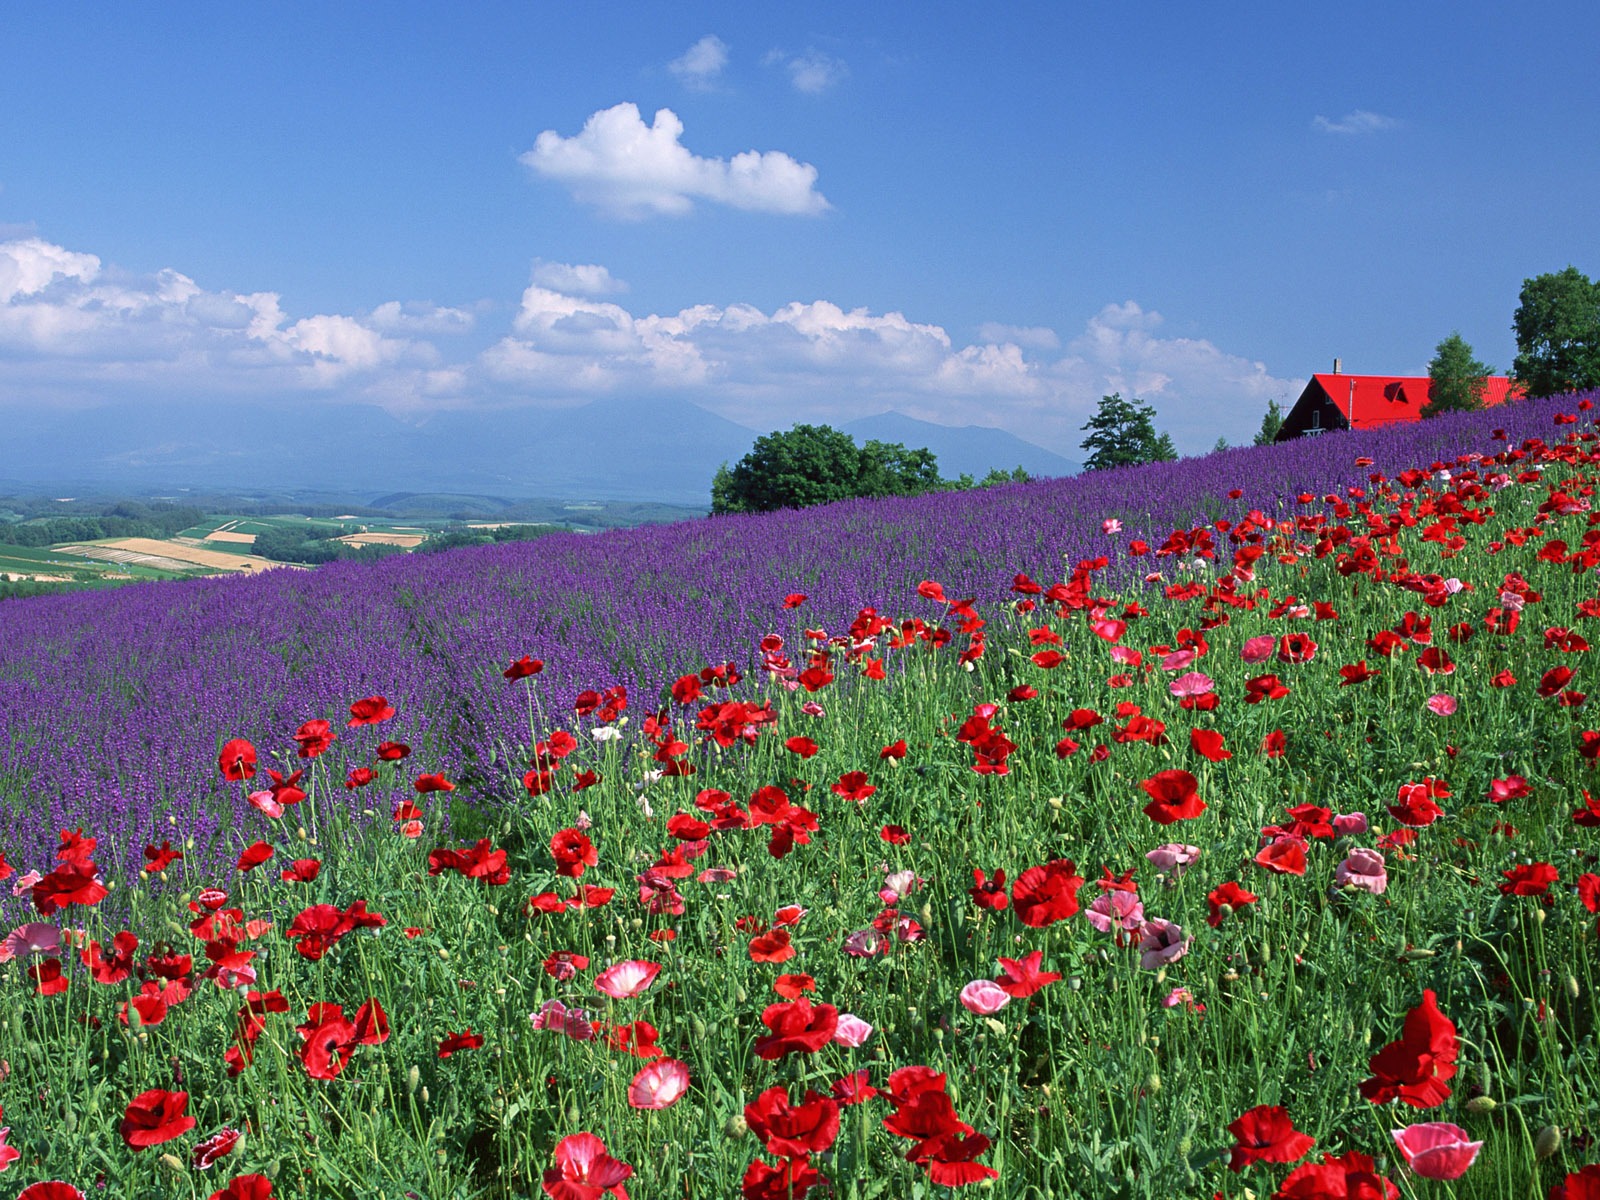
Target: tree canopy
(1456,380)
(1123,434)
(1271,422)
(1557,324)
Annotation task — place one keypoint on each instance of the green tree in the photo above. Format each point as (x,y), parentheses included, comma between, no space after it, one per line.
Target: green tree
(1271,422)
(1456,380)
(817,464)
(1122,433)
(1557,324)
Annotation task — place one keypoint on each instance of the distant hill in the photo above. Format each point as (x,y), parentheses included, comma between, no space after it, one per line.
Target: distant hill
(623,450)
(963,450)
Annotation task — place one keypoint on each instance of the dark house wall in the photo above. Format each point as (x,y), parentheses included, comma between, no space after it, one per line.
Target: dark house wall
(1312,414)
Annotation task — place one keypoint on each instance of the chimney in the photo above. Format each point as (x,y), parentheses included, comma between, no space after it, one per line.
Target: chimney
(1336,366)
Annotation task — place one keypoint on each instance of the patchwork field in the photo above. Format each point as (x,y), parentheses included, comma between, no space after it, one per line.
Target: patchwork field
(167,555)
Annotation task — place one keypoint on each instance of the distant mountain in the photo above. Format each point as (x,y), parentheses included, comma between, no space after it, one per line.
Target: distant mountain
(629,450)
(963,450)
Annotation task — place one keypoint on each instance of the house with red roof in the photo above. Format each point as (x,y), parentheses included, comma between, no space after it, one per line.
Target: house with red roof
(1338,401)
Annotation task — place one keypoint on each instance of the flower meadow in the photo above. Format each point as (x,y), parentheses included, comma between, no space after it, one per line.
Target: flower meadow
(1213,829)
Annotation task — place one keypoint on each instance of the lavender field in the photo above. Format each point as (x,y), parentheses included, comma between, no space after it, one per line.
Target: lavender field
(113,706)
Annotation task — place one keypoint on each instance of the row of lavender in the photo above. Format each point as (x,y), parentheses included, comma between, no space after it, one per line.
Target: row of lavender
(112,705)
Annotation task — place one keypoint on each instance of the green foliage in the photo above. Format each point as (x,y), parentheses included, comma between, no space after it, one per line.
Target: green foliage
(1557,324)
(456,536)
(313,545)
(123,520)
(1456,380)
(1123,434)
(817,464)
(1271,422)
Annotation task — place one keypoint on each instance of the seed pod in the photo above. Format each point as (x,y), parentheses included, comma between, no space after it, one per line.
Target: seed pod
(1547,1142)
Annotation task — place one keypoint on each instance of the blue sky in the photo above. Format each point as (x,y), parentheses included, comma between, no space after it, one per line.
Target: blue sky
(976,217)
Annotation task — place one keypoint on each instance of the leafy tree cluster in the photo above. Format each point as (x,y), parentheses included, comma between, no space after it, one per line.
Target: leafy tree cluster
(453,537)
(313,545)
(1557,324)
(1271,422)
(1456,380)
(126,519)
(817,464)
(1122,433)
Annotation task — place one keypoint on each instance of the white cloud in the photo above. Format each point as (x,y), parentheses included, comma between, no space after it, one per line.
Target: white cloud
(814,72)
(1359,121)
(577,279)
(630,169)
(702,63)
(1029,337)
(72,329)
(416,316)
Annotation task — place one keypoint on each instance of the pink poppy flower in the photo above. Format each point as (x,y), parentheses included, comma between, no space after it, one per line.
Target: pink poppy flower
(1173,857)
(1178,660)
(659,1085)
(1350,823)
(852,1031)
(267,803)
(1258,649)
(1436,1149)
(1111,526)
(626,979)
(1122,909)
(865,943)
(558,1018)
(1441,705)
(984,996)
(33,938)
(1193,683)
(1162,942)
(1363,870)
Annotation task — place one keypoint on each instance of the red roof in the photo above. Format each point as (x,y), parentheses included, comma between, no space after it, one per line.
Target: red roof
(1385,399)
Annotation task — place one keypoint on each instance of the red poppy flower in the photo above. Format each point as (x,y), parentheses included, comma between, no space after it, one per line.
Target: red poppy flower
(930,590)
(359,777)
(1414,1069)
(1264,687)
(154,1117)
(433,783)
(523,668)
(113,967)
(302,870)
(853,786)
(246,1187)
(219,1145)
(794,600)
(1284,855)
(1529,879)
(987,893)
(481,862)
(1579,1185)
(1296,648)
(773,946)
(1046,894)
(894,750)
(52,1190)
(573,852)
(791,1179)
(156,861)
(1173,797)
(1022,977)
(797,1027)
(314,738)
(585,1171)
(370,711)
(237,761)
(1415,802)
(1266,1134)
(791,986)
(47,977)
(69,883)
(1229,895)
(789,1130)
(1358,673)
(254,855)
(465,1040)
(1208,744)
(803,746)
(1349,1176)
(1274,745)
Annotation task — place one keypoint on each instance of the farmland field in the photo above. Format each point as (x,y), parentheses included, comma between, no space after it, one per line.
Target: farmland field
(1215,828)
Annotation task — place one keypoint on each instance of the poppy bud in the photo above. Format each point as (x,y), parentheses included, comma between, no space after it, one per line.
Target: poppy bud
(1573,989)
(424,1093)
(1153,1083)
(736,1127)
(413,1075)
(444,954)
(272,1170)
(1547,1142)
(1481,1104)
(1539,916)
(1266,952)
(171,1162)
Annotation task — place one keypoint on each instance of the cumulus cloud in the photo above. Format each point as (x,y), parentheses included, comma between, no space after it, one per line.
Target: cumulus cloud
(577,279)
(629,169)
(701,64)
(66,319)
(417,316)
(812,72)
(72,328)
(1359,121)
(1029,337)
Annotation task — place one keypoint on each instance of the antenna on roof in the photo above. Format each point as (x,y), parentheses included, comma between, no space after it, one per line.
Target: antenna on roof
(1336,366)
